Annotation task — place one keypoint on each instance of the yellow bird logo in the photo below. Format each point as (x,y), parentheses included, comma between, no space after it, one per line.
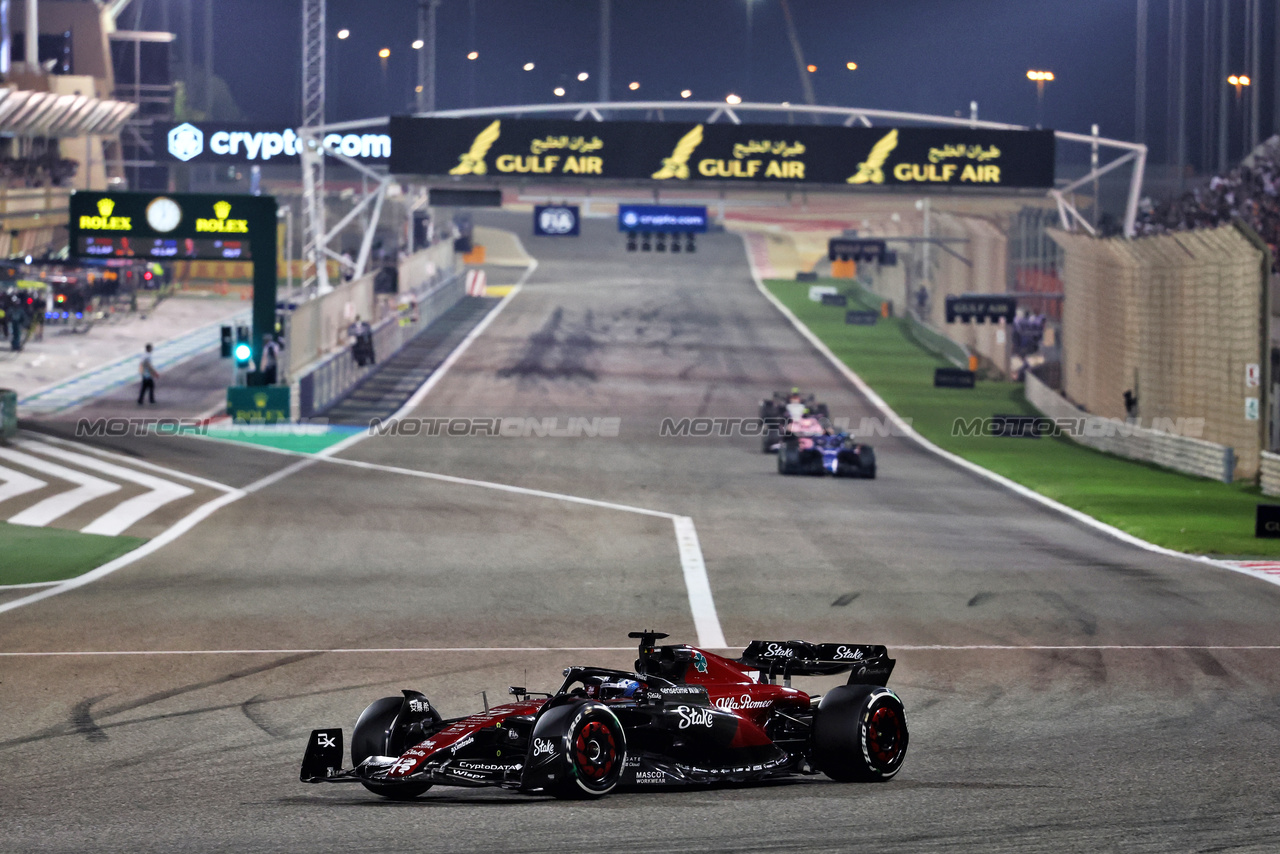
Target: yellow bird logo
(472,163)
(871,170)
(677,165)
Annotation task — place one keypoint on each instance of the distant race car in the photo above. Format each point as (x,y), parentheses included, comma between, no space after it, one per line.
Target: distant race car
(783,407)
(685,716)
(811,446)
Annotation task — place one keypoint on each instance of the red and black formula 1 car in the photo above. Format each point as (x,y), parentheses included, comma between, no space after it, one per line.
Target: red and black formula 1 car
(684,717)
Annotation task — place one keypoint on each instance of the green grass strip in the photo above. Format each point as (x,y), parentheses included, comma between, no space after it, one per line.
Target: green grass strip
(32,555)
(1189,514)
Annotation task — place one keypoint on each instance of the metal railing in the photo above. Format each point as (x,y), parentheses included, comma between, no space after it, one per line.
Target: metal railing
(334,377)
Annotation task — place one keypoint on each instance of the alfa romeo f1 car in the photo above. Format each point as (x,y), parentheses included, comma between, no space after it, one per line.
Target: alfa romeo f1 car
(684,717)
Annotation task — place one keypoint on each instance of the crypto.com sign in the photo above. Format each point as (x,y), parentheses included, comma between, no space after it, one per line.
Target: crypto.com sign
(219,142)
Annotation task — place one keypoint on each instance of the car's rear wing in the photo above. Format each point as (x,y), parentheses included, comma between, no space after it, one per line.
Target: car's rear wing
(866,664)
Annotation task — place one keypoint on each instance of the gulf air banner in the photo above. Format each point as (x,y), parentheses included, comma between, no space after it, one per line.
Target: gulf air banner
(679,153)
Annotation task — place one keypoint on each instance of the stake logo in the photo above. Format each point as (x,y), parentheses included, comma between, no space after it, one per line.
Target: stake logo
(186,141)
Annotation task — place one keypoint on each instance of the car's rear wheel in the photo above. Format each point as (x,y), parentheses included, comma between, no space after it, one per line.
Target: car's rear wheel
(597,752)
(860,734)
(375,735)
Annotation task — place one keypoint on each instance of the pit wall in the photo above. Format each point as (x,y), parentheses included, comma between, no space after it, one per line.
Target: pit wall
(318,328)
(1175,318)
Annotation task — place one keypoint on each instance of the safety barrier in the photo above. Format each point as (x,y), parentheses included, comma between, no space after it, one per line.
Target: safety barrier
(331,378)
(1269,473)
(1180,453)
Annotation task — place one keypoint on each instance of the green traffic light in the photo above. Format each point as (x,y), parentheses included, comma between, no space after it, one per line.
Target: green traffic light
(242,353)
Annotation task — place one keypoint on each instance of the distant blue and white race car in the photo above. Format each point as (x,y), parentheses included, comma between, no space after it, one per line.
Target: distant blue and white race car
(811,446)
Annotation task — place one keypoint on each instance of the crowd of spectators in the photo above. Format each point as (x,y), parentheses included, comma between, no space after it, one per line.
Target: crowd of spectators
(44,171)
(1250,192)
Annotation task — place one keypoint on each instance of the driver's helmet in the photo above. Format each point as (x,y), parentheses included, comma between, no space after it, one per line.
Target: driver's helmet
(622,689)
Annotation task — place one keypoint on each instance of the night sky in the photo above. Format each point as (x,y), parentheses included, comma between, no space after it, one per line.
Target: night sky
(929,56)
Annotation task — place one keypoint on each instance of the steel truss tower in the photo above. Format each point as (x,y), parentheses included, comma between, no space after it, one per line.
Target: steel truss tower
(313,74)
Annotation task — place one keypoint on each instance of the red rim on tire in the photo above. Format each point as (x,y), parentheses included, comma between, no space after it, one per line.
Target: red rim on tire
(884,736)
(595,752)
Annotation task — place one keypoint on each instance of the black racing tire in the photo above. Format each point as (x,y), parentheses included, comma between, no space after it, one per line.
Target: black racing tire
(374,736)
(789,456)
(596,758)
(868,462)
(860,734)
(820,410)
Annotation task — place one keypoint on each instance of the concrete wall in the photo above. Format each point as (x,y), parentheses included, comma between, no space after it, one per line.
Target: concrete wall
(1174,317)
(1181,453)
(1269,473)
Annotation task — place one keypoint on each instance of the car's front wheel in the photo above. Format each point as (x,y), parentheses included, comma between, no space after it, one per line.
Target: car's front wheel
(375,735)
(596,754)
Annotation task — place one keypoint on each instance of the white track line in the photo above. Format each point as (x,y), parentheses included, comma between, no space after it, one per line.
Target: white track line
(481,649)
(170,534)
(110,455)
(41,514)
(16,483)
(694,569)
(1001,480)
(705,620)
(125,514)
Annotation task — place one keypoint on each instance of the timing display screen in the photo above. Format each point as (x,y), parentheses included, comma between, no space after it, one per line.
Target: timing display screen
(177,249)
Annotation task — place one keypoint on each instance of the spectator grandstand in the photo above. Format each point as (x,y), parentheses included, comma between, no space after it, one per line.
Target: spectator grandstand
(1250,192)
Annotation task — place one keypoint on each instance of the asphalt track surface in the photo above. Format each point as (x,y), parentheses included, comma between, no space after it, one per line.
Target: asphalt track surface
(1119,700)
